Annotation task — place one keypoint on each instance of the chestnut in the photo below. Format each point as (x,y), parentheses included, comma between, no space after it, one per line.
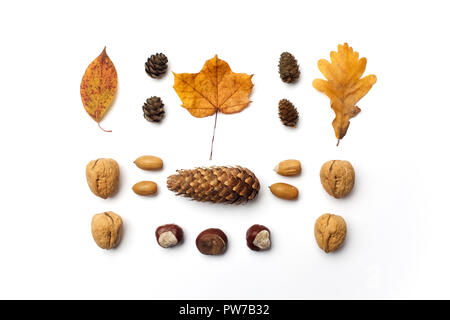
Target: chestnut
(212,242)
(169,235)
(258,238)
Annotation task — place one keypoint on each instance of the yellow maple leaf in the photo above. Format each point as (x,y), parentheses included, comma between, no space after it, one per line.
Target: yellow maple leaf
(98,87)
(344,86)
(215,88)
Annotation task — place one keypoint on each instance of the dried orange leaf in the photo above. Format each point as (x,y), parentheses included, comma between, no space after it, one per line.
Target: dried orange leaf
(214,88)
(99,86)
(344,86)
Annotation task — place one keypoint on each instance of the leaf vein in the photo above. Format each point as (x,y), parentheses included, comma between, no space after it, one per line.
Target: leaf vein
(201,94)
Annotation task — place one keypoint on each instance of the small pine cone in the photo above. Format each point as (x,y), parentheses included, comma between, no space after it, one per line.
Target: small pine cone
(288,68)
(215,184)
(288,113)
(153,109)
(156,65)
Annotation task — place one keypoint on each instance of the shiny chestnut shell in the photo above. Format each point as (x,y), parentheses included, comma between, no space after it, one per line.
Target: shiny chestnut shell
(167,240)
(212,242)
(252,234)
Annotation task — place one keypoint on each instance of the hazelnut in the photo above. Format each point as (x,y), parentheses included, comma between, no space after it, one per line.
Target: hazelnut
(149,163)
(258,238)
(107,229)
(337,177)
(169,235)
(102,177)
(212,242)
(330,231)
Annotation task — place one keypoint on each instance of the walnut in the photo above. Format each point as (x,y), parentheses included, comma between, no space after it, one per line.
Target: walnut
(337,177)
(107,229)
(103,177)
(330,231)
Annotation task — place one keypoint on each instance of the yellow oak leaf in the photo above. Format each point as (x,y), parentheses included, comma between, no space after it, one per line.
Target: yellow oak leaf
(344,86)
(98,87)
(214,88)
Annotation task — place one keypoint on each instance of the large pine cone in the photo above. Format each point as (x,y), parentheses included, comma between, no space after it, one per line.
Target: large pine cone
(156,65)
(153,109)
(215,184)
(288,68)
(288,113)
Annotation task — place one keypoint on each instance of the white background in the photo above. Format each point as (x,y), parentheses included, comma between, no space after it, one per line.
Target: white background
(397,215)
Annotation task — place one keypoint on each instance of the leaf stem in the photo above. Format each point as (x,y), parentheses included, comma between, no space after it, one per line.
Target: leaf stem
(214,134)
(102,128)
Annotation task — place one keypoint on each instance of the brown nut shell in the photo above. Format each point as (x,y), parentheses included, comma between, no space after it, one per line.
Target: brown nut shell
(107,228)
(258,238)
(145,188)
(212,242)
(330,231)
(284,191)
(169,235)
(149,163)
(102,176)
(337,178)
(289,168)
